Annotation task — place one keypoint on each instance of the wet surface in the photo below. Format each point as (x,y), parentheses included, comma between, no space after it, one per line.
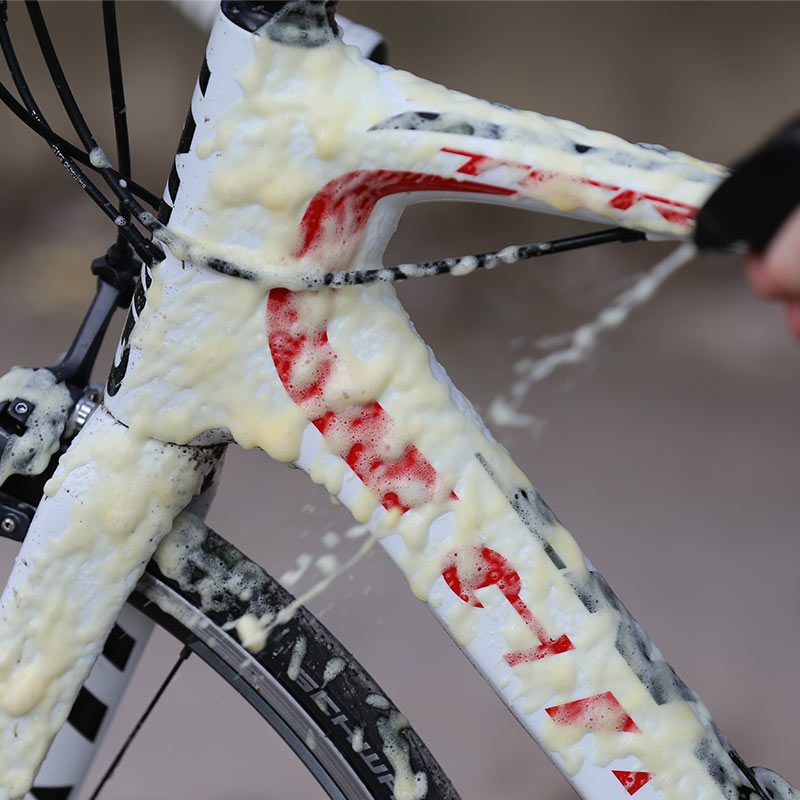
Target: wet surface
(671,456)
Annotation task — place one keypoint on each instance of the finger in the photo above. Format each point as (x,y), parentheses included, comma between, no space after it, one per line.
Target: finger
(761,278)
(782,259)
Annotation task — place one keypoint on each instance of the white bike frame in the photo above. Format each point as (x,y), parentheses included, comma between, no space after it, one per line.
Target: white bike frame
(580,711)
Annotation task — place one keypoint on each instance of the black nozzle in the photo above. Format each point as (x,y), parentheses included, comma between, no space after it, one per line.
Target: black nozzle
(754,201)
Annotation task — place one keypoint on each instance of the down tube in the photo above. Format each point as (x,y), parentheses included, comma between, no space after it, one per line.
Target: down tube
(494,564)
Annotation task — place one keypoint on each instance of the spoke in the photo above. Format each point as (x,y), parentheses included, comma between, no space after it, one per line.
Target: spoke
(184,654)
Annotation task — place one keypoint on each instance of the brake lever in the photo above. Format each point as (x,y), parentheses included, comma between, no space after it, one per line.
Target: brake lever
(755,200)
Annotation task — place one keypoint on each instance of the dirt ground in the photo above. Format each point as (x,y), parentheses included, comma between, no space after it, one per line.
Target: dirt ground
(672,456)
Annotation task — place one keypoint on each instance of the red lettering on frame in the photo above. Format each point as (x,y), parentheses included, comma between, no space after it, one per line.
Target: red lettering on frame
(339,212)
(489,568)
(631,781)
(678,216)
(600,712)
(622,199)
(365,436)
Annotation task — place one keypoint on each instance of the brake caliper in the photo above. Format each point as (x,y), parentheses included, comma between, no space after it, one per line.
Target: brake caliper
(34,411)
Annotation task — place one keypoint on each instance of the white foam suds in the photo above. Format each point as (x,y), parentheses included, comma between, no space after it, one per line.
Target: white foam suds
(298,654)
(99,159)
(333,669)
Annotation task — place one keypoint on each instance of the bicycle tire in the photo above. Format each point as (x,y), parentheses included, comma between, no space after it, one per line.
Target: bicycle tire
(317,714)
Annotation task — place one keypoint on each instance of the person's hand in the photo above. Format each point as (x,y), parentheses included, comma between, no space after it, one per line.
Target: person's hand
(776,273)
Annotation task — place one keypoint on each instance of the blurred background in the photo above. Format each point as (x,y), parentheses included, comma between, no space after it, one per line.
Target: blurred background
(671,456)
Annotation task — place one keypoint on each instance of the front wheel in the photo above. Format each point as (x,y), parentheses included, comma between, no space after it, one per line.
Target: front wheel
(303,682)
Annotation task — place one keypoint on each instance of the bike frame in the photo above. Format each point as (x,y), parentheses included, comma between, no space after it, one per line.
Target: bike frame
(489,664)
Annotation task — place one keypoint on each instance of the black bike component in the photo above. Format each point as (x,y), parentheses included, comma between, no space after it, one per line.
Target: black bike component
(752,204)
(118,106)
(21,495)
(32,117)
(480,261)
(116,272)
(15,517)
(148,250)
(251,16)
(14,415)
(309,22)
(56,412)
(64,151)
(18,505)
(119,269)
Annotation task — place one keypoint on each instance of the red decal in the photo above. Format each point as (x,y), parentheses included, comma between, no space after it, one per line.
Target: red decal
(632,781)
(624,200)
(484,567)
(601,712)
(364,435)
(476,164)
(536,176)
(339,212)
(678,216)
